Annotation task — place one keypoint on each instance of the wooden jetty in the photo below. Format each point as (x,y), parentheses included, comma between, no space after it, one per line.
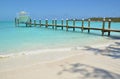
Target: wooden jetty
(65,24)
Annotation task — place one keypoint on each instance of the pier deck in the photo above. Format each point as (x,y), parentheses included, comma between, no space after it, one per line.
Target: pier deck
(82,27)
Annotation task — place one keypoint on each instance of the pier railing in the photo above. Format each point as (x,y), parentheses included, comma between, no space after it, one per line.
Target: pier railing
(65,24)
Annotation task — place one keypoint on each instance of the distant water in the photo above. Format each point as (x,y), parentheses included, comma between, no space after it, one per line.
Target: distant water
(14,40)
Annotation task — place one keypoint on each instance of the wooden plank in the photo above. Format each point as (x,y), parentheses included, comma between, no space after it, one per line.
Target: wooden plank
(112,30)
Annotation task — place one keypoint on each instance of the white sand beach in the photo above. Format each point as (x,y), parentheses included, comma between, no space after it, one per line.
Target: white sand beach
(90,62)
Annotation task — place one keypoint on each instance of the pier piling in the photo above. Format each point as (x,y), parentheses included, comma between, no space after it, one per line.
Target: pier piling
(82,25)
(73,24)
(53,23)
(30,23)
(15,22)
(109,25)
(88,25)
(46,23)
(40,22)
(62,24)
(67,24)
(103,27)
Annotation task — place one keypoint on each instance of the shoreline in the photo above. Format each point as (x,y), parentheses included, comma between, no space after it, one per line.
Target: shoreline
(66,48)
(94,56)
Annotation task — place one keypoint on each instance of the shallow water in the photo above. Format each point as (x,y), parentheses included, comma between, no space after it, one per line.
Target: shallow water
(14,40)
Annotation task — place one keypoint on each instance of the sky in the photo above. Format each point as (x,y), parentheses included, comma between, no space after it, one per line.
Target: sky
(59,8)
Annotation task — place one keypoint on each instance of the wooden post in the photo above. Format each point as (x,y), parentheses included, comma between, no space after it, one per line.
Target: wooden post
(109,25)
(73,24)
(53,23)
(30,23)
(88,25)
(62,23)
(67,24)
(46,23)
(103,26)
(15,22)
(34,22)
(82,24)
(40,22)
(26,24)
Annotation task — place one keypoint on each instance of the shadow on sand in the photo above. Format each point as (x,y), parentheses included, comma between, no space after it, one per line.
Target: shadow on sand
(112,50)
(82,71)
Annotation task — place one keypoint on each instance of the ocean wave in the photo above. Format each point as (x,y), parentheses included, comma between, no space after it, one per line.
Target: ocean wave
(37,52)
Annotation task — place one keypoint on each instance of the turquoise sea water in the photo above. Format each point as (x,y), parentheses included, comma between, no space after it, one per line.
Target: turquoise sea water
(15,40)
